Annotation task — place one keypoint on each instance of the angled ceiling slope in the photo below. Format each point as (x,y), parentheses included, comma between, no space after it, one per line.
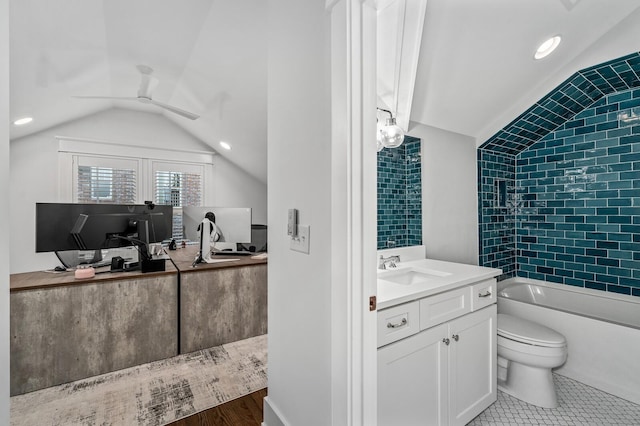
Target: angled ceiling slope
(209,56)
(577,93)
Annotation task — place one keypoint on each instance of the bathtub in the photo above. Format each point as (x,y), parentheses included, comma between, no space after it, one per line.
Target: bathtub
(602,330)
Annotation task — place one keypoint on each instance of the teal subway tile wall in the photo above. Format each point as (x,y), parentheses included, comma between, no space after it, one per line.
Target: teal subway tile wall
(571,167)
(400,195)
(496,218)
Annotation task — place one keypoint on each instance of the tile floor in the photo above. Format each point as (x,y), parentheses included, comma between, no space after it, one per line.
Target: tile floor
(580,405)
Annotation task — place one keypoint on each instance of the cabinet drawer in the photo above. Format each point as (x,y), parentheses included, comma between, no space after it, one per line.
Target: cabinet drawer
(483,294)
(398,322)
(443,307)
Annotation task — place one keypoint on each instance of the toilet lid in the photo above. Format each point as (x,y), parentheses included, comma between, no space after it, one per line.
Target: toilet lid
(525,331)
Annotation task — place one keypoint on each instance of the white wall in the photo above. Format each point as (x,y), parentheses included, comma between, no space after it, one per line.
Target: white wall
(5,225)
(449,194)
(34,173)
(299,176)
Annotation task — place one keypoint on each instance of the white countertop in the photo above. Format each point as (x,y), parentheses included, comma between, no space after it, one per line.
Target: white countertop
(443,276)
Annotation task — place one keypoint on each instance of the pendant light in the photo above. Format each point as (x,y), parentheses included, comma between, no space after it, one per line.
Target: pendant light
(390,135)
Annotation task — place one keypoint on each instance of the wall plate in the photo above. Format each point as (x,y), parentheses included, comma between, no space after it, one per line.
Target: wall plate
(301,241)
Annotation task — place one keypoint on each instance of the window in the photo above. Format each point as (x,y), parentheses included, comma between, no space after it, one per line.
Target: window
(179,185)
(105,180)
(95,175)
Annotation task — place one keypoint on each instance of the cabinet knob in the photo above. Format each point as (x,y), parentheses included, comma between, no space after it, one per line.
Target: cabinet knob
(445,341)
(455,337)
(403,322)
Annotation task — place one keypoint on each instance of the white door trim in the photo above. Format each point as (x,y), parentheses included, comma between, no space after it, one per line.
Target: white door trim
(353,211)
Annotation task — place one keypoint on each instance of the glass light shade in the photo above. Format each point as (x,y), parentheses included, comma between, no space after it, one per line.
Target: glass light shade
(379,137)
(392,134)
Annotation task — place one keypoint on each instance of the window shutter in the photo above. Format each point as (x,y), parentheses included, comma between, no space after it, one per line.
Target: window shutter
(179,189)
(103,184)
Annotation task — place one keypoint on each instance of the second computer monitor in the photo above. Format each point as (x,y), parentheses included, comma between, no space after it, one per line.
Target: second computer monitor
(234,223)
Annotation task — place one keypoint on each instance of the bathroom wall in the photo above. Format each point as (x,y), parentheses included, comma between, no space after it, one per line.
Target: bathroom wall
(575,207)
(449,190)
(400,195)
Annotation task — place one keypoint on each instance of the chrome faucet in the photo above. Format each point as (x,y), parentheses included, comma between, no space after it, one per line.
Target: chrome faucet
(391,261)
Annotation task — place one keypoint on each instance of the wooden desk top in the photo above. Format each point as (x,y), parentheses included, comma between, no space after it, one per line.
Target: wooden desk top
(183,259)
(42,279)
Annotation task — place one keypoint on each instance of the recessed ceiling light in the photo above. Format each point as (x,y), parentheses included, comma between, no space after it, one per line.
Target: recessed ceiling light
(23,120)
(225,145)
(547,47)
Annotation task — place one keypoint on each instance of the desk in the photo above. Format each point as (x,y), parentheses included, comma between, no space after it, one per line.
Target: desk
(63,329)
(220,302)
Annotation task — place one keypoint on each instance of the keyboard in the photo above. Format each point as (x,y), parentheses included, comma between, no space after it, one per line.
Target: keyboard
(232,253)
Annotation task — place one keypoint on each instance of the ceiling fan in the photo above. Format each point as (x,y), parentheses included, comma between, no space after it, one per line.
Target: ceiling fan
(147,84)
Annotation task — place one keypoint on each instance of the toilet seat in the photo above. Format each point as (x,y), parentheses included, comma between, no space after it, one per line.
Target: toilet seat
(527,332)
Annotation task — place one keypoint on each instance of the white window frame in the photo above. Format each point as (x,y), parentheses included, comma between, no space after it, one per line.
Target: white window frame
(68,147)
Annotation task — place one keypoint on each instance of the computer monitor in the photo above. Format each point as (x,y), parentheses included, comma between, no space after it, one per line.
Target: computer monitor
(234,223)
(75,226)
(258,242)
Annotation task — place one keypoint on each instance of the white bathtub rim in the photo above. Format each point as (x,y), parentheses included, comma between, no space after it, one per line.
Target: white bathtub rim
(573,289)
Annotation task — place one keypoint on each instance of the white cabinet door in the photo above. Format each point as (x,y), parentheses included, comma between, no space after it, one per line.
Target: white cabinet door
(472,364)
(412,380)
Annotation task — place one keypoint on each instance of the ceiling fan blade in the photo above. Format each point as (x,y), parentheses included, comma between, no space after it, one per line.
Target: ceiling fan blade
(115,98)
(186,114)
(147,84)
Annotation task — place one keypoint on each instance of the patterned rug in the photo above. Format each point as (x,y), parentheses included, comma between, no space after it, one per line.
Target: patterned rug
(150,394)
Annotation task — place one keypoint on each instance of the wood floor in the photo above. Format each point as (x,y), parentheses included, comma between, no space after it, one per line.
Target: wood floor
(245,411)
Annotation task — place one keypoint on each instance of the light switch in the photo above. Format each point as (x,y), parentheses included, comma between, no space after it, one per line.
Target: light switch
(301,241)
(292,223)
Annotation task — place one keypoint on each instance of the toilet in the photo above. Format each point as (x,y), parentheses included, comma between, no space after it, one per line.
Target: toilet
(527,352)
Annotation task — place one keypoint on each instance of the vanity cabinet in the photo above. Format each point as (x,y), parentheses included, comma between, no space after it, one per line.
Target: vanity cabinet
(444,373)
(472,365)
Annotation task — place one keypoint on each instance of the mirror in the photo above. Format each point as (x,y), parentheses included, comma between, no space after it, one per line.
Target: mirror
(400,195)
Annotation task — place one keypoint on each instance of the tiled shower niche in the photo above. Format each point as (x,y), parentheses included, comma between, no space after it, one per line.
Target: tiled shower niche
(400,195)
(572,212)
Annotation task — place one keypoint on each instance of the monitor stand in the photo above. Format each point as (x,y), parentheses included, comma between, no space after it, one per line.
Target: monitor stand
(72,258)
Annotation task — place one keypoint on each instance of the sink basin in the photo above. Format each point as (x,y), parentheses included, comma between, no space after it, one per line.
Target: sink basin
(411,276)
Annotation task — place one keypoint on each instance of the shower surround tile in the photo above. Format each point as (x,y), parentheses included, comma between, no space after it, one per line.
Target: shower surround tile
(573,211)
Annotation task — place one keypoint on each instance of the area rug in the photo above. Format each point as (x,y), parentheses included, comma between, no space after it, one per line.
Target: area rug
(150,394)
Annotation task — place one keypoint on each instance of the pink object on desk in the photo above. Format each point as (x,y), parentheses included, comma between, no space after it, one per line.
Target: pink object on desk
(84,273)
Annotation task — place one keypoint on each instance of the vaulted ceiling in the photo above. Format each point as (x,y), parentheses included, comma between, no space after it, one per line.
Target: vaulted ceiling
(209,57)
(475,72)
